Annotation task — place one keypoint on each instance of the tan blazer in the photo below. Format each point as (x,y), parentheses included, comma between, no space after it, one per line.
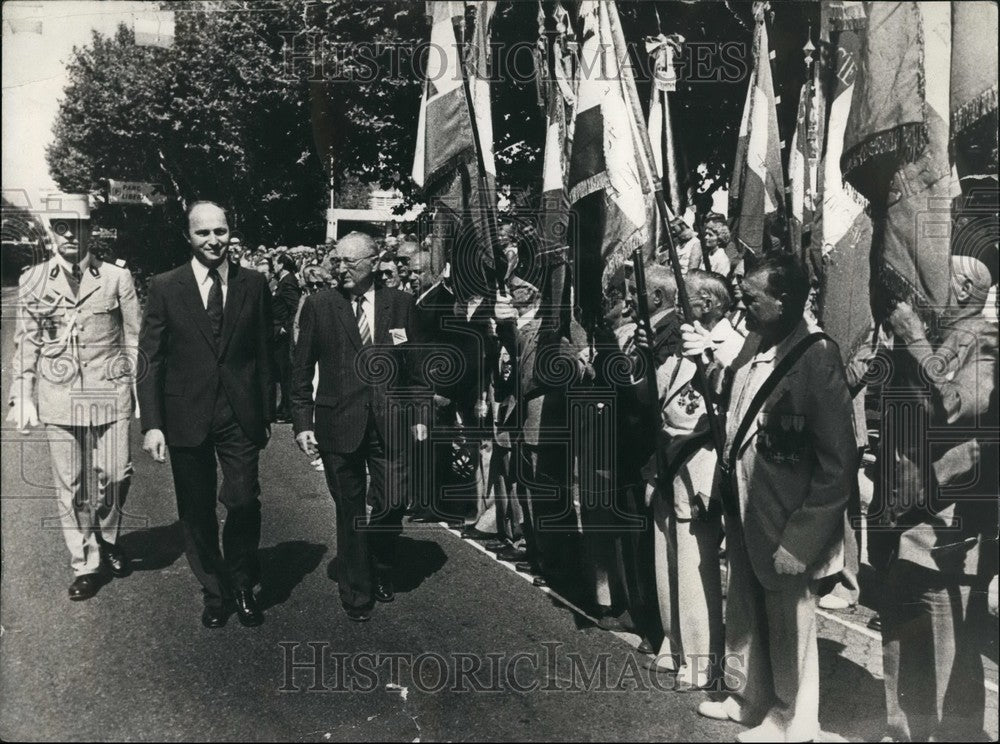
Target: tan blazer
(796,462)
(75,356)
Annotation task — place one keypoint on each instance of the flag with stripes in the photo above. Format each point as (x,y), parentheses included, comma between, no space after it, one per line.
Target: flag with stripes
(445,163)
(659,124)
(803,173)
(610,177)
(555,88)
(756,191)
(843,227)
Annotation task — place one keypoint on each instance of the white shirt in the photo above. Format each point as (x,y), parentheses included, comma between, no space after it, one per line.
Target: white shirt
(367,307)
(204,282)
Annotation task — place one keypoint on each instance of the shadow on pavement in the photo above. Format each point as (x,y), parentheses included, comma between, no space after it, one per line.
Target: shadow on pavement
(416,560)
(155,548)
(851,699)
(284,566)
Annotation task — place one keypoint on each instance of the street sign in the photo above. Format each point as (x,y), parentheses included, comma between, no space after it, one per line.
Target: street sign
(135,192)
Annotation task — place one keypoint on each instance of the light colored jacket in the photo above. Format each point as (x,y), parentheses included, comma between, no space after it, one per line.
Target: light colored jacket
(795,463)
(75,357)
(684,419)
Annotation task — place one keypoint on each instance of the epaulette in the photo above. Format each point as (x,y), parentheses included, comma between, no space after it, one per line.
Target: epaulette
(120,263)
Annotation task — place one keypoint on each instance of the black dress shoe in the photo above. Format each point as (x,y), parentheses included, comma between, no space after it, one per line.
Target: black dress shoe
(84,587)
(383,591)
(247,611)
(512,555)
(214,617)
(116,560)
(358,614)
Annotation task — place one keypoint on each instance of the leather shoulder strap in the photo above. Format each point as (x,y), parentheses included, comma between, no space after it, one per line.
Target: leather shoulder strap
(786,363)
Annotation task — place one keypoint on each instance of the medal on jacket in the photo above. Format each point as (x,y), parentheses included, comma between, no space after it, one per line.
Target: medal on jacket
(781,438)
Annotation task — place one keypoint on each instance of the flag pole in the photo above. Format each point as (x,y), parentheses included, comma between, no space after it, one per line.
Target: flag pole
(714,422)
(489,209)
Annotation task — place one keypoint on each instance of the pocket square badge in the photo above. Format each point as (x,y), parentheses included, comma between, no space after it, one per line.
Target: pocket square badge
(398,336)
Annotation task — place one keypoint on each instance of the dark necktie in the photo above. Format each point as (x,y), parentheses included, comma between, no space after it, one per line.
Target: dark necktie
(75,277)
(214,307)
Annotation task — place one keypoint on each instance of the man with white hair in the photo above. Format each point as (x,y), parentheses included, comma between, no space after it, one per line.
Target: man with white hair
(933,523)
(685,512)
(363,339)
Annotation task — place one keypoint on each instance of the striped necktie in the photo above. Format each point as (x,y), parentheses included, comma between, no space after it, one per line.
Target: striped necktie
(363,329)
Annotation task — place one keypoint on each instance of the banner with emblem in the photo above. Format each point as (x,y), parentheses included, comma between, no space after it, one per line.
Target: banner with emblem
(896,152)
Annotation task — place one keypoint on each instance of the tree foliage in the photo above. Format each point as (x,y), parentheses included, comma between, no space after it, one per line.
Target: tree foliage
(255,101)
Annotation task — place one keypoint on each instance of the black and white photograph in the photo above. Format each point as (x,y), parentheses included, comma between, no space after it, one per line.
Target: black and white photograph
(499,370)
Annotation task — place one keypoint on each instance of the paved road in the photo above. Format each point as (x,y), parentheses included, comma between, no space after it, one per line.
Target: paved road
(135,663)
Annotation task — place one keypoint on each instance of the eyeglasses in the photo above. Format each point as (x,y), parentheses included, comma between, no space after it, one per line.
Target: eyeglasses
(352,262)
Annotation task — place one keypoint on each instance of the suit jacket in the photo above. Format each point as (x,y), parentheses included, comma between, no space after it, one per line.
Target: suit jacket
(795,464)
(75,355)
(353,380)
(186,367)
(286,304)
(942,517)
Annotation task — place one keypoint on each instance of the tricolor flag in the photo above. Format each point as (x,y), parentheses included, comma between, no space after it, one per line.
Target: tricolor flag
(554,78)
(803,172)
(756,191)
(659,126)
(896,151)
(610,178)
(445,162)
(844,228)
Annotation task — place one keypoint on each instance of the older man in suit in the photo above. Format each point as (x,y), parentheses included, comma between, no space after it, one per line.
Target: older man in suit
(361,337)
(207,340)
(792,467)
(73,366)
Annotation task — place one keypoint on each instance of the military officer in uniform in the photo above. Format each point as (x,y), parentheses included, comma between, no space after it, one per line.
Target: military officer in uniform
(74,363)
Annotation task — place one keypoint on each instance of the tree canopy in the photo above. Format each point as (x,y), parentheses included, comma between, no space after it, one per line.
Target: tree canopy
(254,101)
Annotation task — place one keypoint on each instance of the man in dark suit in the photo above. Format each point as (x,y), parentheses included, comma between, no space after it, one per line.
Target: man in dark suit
(286,304)
(206,393)
(361,337)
